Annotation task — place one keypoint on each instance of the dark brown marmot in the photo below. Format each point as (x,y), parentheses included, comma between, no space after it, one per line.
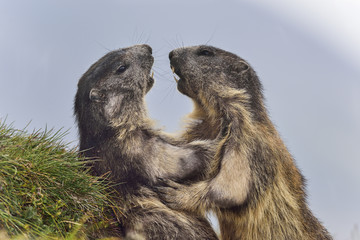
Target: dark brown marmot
(256,189)
(114,127)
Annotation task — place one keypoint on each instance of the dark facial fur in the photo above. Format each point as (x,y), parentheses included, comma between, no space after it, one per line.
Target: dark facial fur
(105,89)
(114,129)
(256,190)
(198,67)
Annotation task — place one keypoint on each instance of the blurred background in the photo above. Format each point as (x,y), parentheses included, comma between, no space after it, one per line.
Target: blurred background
(306,53)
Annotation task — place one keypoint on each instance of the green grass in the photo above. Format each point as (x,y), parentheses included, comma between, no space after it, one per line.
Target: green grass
(45,190)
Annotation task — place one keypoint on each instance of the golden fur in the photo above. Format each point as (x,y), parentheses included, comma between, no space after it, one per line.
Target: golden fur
(254,185)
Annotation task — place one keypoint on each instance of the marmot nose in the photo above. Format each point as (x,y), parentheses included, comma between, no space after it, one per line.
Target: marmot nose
(147,47)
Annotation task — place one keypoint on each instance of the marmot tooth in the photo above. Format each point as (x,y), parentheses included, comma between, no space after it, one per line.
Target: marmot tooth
(173,69)
(152,74)
(176,80)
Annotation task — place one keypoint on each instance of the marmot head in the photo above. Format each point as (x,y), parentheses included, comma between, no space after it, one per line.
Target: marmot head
(115,81)
(201,68)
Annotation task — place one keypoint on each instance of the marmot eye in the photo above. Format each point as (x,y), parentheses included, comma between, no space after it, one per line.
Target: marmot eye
(121,69)
(205,53)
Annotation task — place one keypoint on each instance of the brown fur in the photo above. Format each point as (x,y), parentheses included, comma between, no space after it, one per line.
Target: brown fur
(254,186)
(115,130)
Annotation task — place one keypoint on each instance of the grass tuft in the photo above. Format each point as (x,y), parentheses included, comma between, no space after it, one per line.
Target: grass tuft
(45,189)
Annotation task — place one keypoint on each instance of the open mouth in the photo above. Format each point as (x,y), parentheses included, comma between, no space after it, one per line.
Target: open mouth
(150,81)
(176,76)
(148,65)
(179,79)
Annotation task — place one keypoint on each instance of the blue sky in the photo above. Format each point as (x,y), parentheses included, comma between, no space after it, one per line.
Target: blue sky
(307,55)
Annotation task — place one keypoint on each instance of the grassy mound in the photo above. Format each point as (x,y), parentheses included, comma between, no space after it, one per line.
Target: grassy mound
(45,190)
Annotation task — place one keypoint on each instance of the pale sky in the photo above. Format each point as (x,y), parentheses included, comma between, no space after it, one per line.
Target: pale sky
(306,53)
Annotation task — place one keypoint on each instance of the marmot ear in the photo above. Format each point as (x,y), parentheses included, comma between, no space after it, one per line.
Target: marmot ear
(96,95)
(243,66)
